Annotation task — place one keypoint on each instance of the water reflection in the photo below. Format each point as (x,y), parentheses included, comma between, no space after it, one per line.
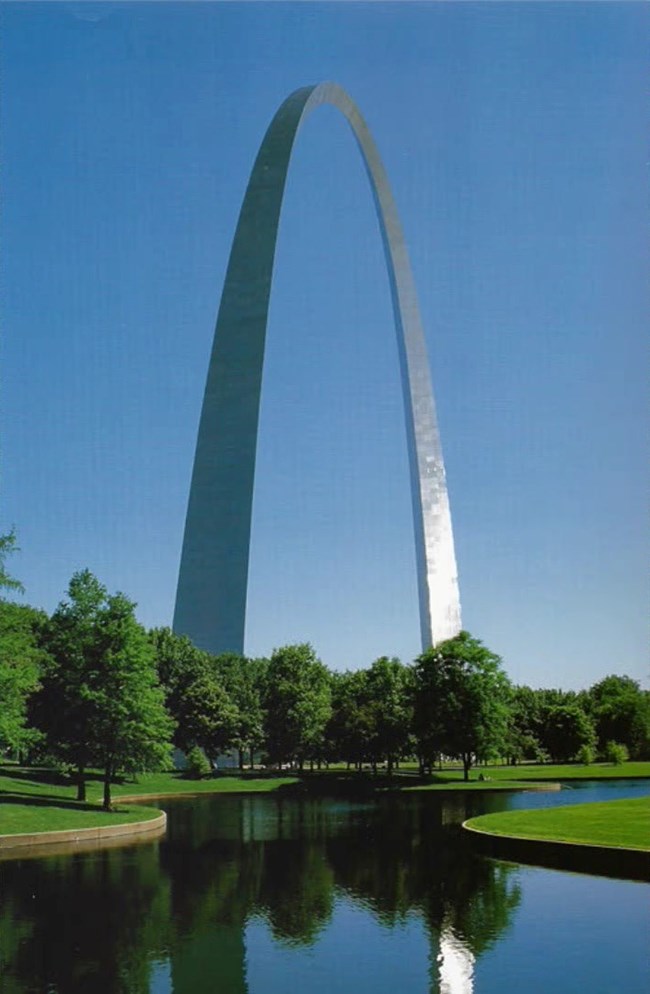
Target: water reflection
(455,965)
(172,916)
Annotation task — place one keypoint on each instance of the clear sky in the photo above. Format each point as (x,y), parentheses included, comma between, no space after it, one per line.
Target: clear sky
(514,136)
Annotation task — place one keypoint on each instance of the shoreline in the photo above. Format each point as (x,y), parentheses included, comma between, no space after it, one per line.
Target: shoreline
(559,854)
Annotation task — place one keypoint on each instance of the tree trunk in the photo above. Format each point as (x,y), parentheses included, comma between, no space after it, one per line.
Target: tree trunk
(81,783)
(252,751)
(241,758)
(467,762)
(107,786)
(390,766)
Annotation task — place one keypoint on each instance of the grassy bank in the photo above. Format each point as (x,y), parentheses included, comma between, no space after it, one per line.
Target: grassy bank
(620,824)
(35,799)
(567,771)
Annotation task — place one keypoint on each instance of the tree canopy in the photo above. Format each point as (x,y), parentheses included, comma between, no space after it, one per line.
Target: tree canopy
(461,696)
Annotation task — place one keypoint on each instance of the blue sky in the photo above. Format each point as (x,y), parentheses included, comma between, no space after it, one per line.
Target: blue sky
(514,139)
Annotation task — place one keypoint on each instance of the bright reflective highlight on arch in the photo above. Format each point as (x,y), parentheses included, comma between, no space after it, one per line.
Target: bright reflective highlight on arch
(213,576)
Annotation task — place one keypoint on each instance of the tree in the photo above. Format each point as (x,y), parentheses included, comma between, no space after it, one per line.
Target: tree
(21,660)
(195,695)
(566,729)
(297,703)
(244,681)
(20,656)
(390,710)
(349,727)
(131,729)
(461,697)
(621,713)
(100,700)
(7,547)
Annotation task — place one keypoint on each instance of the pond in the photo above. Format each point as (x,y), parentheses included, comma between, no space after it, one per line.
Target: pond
(268,894)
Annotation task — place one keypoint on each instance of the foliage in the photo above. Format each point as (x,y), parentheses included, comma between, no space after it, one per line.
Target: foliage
(621,712)
(21,660)
(615,753)
(20,657)
(195,696)
(297,703)
(198,764)
(566,729)
(586,754)
(461,697)
(349,727)
(7,548)
(389,710)
(100,700)
(243,680)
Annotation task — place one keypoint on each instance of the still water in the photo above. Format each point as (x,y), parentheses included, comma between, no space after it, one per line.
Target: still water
(280,895)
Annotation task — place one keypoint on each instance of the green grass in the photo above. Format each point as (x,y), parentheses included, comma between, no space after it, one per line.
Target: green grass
(36,800)
(620,824)
(567,771)
(175,783)
(39,800)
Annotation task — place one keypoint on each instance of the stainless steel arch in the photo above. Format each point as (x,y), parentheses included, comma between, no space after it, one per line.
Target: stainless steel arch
(213,576)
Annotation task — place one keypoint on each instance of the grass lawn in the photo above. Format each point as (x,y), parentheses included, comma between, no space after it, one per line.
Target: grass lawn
(621,824)
(39,800)
(566,771)
(35,799)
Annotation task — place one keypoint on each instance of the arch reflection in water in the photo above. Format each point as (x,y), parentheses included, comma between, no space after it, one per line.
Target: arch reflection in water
(455,965)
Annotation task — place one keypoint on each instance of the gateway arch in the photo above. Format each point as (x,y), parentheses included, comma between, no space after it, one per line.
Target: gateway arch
(213,577)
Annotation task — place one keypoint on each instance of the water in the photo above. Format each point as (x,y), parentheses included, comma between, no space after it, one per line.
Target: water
(268,895)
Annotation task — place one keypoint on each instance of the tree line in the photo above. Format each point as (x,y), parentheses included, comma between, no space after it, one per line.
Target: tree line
(89,687)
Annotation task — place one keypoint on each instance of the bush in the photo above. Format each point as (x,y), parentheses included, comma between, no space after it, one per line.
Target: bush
(586,755)
(616,753)
(198,764)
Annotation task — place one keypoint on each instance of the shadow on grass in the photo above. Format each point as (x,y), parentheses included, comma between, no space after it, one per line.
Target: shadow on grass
(46,775)
(357,784)
(47,801)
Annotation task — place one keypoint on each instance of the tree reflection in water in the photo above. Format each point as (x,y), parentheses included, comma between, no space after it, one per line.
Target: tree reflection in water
(105,921)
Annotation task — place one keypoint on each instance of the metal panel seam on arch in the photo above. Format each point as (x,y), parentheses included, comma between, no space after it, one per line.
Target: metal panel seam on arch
(213,576)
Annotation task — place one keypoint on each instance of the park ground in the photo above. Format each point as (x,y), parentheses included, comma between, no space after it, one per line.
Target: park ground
(36,799)
(618,824)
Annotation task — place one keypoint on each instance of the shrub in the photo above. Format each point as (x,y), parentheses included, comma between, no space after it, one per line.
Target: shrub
(616,753)
(198,764)
(586,755)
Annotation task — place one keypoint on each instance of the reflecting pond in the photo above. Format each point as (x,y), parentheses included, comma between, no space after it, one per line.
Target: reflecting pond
(269,894)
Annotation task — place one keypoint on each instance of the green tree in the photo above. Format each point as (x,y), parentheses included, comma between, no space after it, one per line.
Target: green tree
(615,753)
(20,657)
(390,709)
(195,695)
(297,703)
(62,709)
(621,713)
(244,681)
(100,701)
(131,729)
(7,548)
(566,729)
(21,660)
(349,728)
(461,698)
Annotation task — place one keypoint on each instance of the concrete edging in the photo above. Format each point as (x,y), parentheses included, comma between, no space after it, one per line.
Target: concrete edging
(97,833)
(582,857)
